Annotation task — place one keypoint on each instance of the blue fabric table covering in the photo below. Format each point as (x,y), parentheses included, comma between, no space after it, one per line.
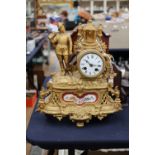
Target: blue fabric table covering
(112,132)
(49,133)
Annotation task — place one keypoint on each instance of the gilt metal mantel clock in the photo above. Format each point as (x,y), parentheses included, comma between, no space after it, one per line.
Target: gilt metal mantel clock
(84,87)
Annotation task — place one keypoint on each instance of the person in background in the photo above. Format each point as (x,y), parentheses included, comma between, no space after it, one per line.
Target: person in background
(77,18)
(69,25)
(52,25)
(81,15)
(64,17)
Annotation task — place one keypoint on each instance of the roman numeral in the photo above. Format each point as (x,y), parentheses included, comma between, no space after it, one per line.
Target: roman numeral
(84,68)
(96,69)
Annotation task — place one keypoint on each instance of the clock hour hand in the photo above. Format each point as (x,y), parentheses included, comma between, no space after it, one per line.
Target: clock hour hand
(96,65)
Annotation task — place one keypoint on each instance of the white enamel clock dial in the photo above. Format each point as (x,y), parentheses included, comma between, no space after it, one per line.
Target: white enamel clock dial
(91,65)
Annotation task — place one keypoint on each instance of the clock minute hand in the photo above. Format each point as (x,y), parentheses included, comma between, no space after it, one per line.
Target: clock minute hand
(88,62)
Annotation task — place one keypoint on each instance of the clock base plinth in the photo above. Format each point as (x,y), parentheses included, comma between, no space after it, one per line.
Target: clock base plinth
(78,99)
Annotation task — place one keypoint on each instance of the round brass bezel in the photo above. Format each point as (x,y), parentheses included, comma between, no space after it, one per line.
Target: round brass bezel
(90,51)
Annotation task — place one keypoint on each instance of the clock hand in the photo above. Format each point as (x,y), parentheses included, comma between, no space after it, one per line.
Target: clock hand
(95,65)
(88,63)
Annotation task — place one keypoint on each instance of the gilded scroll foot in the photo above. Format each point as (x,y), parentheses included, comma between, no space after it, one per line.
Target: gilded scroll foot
(80,124)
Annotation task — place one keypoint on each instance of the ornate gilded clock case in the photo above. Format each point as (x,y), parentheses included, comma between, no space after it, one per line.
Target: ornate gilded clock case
(84,87)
